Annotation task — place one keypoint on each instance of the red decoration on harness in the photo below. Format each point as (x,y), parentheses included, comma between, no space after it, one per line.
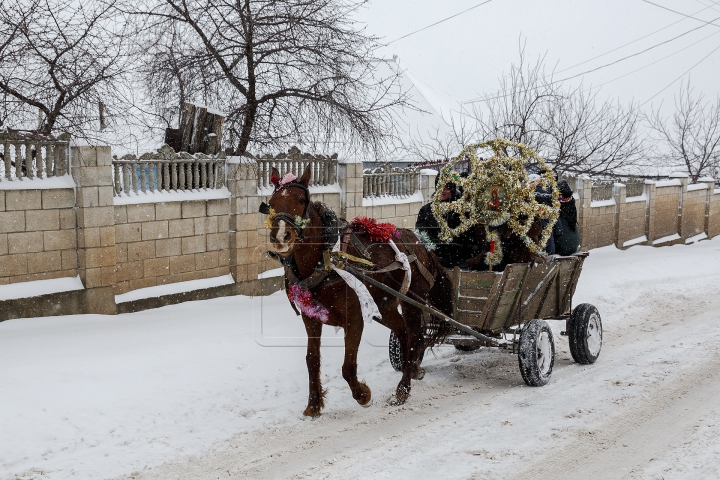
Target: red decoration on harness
(275,180)
(492,246)
(377,232)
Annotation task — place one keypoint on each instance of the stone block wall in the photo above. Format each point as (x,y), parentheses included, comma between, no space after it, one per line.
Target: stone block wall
(632,222)
(693,212)
(117,246)
(713,220)
(159,243)
(402,215)
(667,201)
(598,226)
(37,234)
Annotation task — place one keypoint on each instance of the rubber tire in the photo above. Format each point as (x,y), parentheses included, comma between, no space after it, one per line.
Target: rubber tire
(528,355)
(395,353)
(467,348)
(577,331)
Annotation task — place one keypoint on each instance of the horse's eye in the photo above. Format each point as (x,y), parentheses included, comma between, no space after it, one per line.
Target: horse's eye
(303,201)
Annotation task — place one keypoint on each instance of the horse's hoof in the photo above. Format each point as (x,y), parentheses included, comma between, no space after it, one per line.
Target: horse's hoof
(367,404)
(312,412)
(419,374)
(396,401)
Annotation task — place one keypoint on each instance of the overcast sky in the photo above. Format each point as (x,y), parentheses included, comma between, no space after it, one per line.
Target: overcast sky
(464,56)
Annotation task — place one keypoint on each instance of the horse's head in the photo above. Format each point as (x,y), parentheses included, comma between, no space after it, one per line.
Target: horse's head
(289,213)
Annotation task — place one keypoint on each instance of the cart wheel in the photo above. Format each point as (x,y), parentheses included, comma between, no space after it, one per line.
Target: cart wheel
(537,353)
(396,354)
(467,348)
(585,334)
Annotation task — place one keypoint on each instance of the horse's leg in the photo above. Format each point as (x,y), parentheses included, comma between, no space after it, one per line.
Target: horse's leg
(316,398)
(353,334)
(396,323)
(413,324)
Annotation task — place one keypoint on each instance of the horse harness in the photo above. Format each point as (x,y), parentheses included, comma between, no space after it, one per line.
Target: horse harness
(332,226)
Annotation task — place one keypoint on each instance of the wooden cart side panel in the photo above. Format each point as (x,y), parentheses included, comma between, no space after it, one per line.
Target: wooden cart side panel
(503,299)
(472,293)
(532,294)
(555,302)
(572,283)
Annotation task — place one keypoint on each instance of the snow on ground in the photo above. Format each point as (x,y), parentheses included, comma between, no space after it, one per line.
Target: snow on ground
(216,389)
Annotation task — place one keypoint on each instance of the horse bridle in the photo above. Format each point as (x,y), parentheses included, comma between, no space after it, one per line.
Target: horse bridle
(291,219)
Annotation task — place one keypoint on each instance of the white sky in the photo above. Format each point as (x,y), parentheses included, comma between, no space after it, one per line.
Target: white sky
(465,56)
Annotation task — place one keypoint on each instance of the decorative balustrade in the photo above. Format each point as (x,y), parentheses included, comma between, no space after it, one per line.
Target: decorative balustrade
(169,171)
(32,156)
(324,169)
(390,181)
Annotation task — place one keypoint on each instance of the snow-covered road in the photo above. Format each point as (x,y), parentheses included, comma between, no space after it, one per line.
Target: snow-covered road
(207,390)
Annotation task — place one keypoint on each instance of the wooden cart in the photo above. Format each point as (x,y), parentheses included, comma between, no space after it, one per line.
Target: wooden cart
(508,310)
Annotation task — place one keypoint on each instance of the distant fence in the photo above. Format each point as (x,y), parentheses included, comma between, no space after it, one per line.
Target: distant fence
(33,156)
(323,168)
(390,181)
(167,170)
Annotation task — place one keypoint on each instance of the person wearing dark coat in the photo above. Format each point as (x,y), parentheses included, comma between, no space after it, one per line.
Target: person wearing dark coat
(460,248)
(566,232)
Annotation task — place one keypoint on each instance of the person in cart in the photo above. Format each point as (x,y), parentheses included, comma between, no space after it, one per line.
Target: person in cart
(459,249)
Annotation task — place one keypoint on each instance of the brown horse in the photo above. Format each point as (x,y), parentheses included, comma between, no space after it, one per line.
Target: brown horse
(300,231)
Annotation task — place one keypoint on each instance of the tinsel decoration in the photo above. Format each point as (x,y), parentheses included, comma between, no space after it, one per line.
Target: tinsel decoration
(300,222)
(269,219)
(495,254)
(518,207)
(425,239)
(377,232)
(305,302)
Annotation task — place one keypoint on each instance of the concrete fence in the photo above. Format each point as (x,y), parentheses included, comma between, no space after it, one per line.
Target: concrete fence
(127,241)
(664,212)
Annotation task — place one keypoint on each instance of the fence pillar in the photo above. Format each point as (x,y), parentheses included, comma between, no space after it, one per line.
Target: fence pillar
(650,192)
(682,228)
(96,250)
(427,184)
(619,194)
(350,178)
(245,220)
(584,191)
(710,182)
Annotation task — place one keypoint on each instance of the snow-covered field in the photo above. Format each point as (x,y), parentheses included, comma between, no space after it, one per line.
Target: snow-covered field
(215,389)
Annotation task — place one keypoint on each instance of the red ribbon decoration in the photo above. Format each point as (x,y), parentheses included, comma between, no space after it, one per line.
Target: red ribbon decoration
(492,246)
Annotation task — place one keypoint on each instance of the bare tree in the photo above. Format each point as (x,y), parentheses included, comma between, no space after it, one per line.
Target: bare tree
(690,138)
(568,126)
(62,58)
(281,70)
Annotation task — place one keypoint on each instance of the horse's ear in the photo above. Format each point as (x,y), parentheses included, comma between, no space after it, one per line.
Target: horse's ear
(305,179)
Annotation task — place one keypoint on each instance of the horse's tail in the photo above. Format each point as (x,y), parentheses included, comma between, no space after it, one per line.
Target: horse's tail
(441,297)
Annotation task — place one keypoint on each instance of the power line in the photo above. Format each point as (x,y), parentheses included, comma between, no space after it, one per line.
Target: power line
(438,23)
(614,62)
(657,61)
(634,41)
(681,76)
(680,13)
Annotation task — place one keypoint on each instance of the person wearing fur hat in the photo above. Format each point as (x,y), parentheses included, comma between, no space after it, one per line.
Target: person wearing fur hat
(566,232)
